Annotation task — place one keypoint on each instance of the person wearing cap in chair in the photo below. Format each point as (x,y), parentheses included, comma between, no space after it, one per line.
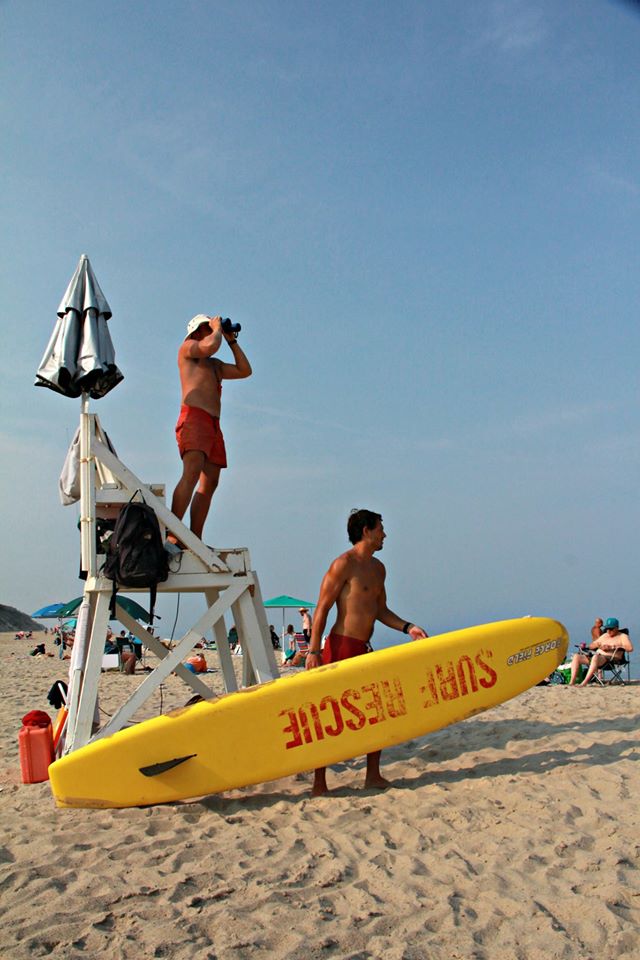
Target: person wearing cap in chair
(200,439)
(612,645)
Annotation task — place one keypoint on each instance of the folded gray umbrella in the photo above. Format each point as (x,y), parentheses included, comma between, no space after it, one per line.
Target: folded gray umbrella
(80,357)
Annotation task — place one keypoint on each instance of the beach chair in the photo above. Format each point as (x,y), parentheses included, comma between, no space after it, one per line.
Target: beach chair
(128,646)
(616,668)
(302,649)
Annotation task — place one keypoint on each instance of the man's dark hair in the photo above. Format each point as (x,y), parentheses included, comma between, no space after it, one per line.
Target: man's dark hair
(358,520)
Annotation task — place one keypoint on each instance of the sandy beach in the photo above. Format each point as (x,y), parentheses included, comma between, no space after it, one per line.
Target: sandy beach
(514,834)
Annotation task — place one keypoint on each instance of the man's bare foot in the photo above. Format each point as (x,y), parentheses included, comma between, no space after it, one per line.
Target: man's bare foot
(376,782)
(319,791)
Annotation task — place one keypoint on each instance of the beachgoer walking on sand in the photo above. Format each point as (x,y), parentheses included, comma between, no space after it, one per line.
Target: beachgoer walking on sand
(355,583)
(198,432)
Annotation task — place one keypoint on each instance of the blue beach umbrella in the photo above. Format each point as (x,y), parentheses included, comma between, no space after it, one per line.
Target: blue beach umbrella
(49,612)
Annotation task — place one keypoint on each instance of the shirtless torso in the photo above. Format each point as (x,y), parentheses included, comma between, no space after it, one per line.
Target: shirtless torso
(355,584)
(615,640)
(360,584)
(201,374)
(200,382)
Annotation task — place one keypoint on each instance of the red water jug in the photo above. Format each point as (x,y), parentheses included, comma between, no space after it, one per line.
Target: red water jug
(35,744)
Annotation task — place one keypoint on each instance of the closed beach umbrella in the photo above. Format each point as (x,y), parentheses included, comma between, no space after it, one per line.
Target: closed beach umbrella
(80,357)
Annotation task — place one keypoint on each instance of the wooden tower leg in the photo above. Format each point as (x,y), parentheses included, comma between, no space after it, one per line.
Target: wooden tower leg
(222,646)
(259,664)
(80,733)
(77,663)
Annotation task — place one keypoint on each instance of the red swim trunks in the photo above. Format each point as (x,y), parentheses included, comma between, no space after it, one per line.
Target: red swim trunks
(198,430)
(337,647)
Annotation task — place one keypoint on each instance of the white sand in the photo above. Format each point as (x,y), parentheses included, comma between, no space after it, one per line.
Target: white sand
(512,835)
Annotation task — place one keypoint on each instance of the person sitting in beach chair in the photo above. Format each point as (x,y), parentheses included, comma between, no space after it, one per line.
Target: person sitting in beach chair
(607,651)
(611,654)
(302,648)
(127,654)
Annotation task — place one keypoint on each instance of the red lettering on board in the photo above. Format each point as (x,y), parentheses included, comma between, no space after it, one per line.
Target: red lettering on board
(458,678)
(447,681)
(394,699)
(375,703)
(293,728)
(491,673)
(430,690)
(467,662)
(304,721)
(335,706)
(360,718)
(329,718)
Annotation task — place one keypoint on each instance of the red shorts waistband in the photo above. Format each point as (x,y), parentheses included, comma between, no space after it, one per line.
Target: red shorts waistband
(338,647)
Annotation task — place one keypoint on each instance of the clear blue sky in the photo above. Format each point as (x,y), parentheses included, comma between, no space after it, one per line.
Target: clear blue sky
(426,218)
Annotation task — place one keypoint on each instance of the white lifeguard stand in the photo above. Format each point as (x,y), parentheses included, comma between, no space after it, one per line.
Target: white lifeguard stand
(223,576)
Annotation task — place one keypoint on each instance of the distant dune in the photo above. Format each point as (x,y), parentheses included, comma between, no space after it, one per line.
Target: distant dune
(12,619)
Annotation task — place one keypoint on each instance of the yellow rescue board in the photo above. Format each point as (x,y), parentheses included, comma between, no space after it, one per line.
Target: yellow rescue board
(313,719)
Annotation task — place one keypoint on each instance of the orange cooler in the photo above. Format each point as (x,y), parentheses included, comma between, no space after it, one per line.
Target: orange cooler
(35,743)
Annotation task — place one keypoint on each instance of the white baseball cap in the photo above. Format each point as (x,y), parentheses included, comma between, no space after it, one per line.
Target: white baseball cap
(196,322)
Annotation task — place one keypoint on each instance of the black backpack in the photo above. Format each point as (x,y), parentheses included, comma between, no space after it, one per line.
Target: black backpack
(135,554)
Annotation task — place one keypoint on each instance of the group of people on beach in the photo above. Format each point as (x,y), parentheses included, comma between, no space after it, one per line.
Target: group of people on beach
(354,582)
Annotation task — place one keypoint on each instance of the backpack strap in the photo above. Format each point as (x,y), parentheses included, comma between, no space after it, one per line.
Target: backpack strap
(153,589)
(112,605)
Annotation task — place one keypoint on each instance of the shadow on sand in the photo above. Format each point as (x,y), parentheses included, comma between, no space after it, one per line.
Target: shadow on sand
(447,744)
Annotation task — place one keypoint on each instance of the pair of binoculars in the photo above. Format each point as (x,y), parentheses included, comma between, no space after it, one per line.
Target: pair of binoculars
(230,327)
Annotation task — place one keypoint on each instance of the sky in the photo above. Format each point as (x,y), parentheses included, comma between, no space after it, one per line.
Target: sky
(426,218)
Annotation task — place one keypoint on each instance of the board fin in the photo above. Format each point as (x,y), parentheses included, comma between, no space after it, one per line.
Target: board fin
(154,769)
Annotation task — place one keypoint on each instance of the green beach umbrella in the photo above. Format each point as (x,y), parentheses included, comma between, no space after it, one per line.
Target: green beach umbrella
(286,603)
(133,609)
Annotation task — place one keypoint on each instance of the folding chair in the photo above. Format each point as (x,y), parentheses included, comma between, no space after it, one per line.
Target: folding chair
(616,668)
(302,648)
(128,646)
